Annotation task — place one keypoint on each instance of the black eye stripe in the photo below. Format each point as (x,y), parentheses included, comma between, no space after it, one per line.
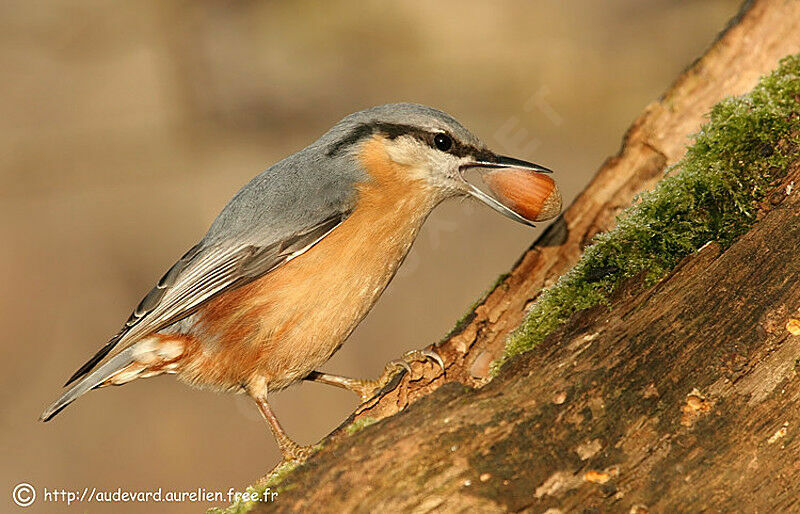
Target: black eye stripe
(395,130)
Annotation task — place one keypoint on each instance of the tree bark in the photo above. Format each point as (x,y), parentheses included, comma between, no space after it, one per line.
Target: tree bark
(682,397)
(763,32)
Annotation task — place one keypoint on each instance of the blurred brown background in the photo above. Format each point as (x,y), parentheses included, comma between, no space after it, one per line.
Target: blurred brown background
(126,126)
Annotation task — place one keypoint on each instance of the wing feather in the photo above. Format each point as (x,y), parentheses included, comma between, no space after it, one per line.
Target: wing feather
(200,275)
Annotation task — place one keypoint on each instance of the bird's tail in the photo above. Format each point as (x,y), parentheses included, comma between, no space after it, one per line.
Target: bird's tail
(89,382)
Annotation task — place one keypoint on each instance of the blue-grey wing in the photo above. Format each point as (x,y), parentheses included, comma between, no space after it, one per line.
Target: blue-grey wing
(204,272)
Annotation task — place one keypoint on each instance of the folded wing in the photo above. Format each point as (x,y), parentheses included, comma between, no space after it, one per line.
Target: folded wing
(204,272)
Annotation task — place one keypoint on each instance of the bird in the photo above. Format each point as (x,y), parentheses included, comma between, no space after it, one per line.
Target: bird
(298,257)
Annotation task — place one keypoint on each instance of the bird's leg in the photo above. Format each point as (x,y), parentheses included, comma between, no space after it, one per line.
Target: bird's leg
(367,389)
(292,452)
(351,384)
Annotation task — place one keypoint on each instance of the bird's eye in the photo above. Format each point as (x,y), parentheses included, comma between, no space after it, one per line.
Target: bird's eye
(442,142)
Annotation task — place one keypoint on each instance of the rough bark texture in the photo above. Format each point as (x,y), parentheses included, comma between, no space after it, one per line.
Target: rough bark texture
(682,397)
(764,32)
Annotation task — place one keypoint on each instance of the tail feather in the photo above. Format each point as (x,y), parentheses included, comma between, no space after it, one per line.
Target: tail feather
(89,382)
(91,363)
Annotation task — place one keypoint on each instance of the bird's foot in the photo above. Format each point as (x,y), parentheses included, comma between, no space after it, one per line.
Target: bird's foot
(370,388)
(294,454)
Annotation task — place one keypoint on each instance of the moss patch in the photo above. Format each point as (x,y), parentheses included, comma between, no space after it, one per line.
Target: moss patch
(711,195)
(359,425)
(272,482)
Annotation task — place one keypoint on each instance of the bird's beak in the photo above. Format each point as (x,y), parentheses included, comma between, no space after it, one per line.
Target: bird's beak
(520,190)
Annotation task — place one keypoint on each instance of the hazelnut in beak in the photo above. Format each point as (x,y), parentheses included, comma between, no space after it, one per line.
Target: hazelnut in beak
(520,190)
(531,194)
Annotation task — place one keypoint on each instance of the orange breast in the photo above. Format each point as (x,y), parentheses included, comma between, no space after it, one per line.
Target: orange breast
(289,322)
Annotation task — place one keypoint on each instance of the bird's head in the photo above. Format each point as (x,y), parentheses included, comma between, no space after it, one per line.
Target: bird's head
(430,147)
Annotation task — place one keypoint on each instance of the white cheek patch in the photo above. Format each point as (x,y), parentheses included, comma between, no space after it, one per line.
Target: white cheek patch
(406,150)
(423,162)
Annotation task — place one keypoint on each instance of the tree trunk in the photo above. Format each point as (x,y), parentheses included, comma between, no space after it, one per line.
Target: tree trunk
(682,397)
(763,32)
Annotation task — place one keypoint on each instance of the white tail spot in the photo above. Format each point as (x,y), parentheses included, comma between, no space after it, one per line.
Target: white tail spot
(126,374)
(170,350)
(144,351)
(151,351)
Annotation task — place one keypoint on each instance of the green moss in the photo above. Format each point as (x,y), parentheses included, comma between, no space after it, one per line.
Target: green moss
(272,482)
(359,425)
(711,195)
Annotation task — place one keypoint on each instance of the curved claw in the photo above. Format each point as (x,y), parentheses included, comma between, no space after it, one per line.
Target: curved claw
(434,357)
(368,389)
(400,363)
(417,356)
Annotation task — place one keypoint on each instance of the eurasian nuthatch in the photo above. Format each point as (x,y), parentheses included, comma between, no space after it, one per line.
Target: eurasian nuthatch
(301,253)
